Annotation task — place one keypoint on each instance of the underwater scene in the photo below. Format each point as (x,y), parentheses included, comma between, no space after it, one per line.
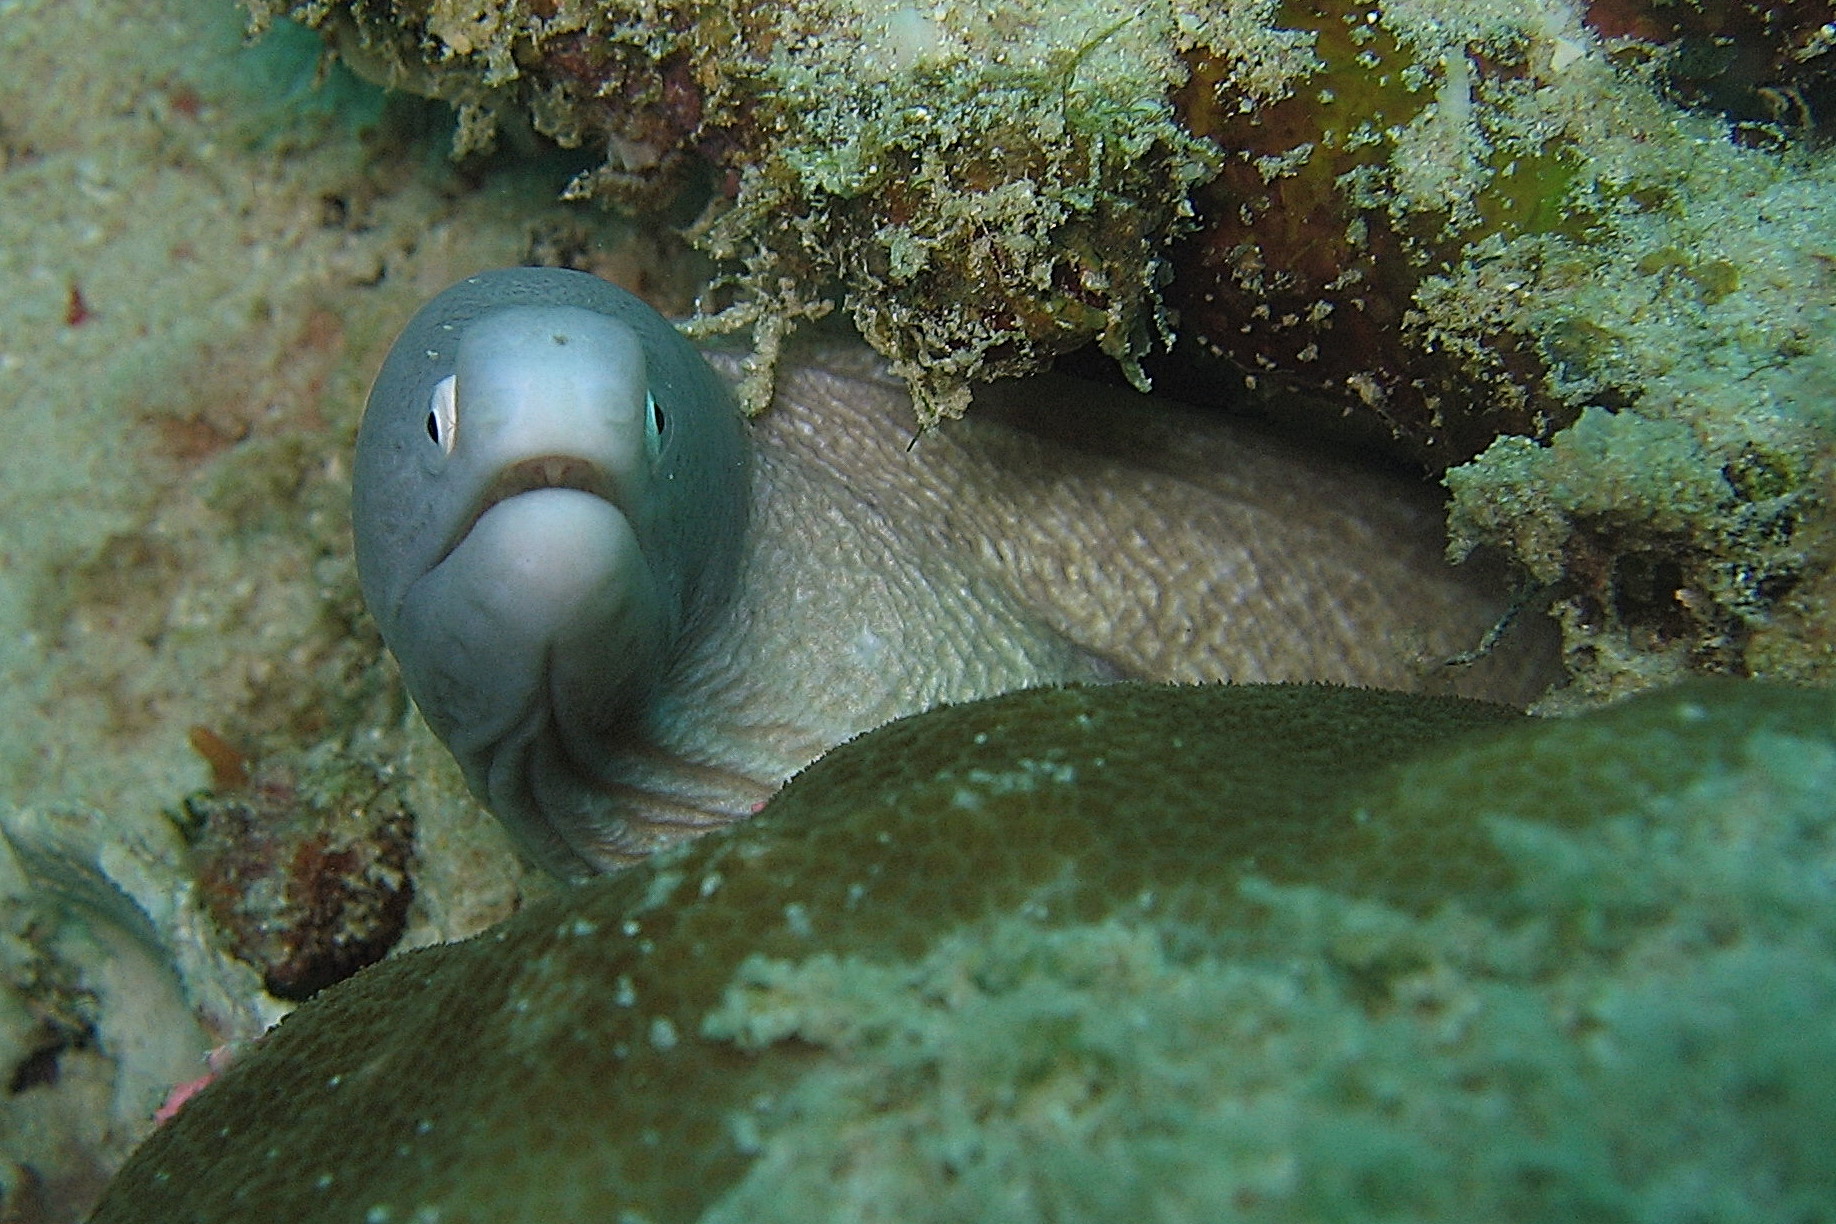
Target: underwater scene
(917,611)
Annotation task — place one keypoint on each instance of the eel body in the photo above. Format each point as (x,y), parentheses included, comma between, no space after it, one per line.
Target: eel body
(631,616)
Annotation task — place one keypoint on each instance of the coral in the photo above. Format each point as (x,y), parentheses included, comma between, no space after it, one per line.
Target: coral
(305,864)
(1492,234)
(1421,136)
(1663,555)
(1125,952)
(1472,221)
(989,186)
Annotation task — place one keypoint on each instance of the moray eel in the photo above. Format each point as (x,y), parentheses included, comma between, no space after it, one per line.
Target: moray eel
(549,493)
(631,616)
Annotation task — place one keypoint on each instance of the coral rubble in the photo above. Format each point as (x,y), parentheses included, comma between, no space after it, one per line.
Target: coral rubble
(305,866)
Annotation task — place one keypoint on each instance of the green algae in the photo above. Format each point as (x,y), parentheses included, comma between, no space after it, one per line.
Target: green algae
(1128,952)
(288,94)
(1663,553)
(1617,471)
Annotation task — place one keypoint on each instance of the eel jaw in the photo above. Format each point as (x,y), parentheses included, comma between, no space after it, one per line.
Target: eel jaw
(529,475)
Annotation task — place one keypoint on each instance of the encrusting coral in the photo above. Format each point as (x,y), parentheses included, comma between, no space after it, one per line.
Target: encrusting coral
(1124,952)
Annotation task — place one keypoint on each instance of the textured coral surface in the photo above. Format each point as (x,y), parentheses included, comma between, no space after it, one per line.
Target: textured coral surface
(1126,952)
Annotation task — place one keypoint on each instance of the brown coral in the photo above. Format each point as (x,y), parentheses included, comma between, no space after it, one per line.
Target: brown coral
(305,866)
(1629,954)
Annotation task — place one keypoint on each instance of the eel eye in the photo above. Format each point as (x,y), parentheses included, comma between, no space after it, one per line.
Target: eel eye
(656,422)
(443,413)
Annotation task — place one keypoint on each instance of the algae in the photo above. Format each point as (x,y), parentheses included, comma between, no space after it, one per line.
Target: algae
(979,187)
(1663,554)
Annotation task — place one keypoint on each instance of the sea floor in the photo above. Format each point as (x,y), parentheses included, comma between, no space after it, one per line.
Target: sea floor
(208,245)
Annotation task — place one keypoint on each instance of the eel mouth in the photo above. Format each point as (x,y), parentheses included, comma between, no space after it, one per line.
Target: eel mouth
(530,475)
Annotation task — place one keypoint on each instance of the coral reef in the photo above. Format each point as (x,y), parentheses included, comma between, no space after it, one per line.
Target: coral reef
(243,242)
(1124,952)
(988,187)
(1492,228)
(1464,221)
(1422,224)
(207,257)
(1664,554)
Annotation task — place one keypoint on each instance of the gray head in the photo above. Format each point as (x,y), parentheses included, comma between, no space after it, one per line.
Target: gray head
(549,496)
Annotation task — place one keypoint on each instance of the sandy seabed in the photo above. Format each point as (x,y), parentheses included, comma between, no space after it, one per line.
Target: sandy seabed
(209,244)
